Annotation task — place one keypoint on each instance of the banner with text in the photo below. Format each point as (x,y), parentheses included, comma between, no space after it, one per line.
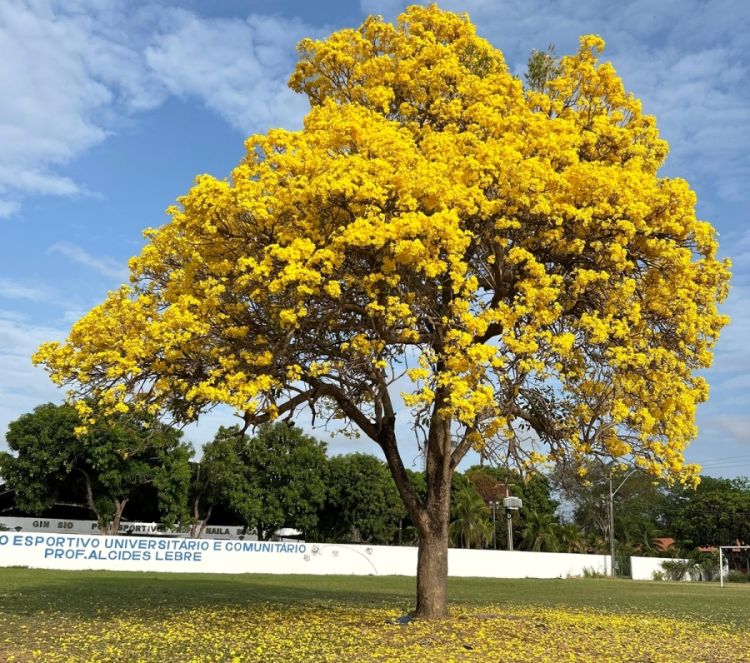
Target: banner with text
(139,553)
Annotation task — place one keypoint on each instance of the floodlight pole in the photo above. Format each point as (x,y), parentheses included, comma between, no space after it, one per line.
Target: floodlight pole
(612,494)
(511,504)
(509,526)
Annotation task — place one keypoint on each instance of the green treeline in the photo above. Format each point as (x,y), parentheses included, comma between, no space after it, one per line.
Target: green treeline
(136,468)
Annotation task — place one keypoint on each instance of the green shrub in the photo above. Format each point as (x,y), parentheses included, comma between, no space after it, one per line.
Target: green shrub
(675,569)
(736,576)
(705,565)
(591,572)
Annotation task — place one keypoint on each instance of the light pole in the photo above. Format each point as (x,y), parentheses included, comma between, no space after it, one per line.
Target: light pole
(612,494)
(511,504)
(493,505)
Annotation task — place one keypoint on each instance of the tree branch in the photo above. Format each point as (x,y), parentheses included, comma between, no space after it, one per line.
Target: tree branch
(462,448)
(414,505)
(251,419)
(321,389)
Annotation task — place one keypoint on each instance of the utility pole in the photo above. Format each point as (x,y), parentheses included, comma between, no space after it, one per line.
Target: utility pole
(493,505)
(612,494)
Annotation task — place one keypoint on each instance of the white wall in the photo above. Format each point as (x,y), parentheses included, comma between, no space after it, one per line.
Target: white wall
(517,564)
(642,568)
(135,553)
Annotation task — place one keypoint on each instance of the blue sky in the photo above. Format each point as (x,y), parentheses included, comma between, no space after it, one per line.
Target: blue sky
(110,108)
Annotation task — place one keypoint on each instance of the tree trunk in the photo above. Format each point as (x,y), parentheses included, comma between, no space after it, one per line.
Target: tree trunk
(431,519)
(119,508)
(431,516)
(432,575)
(90,501)
(432,557)
(204,522)
(198,525)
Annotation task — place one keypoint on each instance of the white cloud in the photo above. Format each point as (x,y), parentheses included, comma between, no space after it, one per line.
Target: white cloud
(52,92)
(10,289)
(72,71)
(23,386)
(8,208)
(105,266)
(238,68)
(729,427)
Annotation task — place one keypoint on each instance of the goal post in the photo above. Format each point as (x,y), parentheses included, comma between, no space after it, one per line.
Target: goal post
(721,560)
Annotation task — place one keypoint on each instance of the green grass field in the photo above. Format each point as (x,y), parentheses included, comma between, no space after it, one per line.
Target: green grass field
(108,616)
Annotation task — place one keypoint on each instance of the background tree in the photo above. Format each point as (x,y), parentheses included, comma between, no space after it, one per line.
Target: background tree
(716,513)
(362,503)
(513,251)
(540,532)
(471,526)
(641,536)
(224,476)
(288,472)
(495,483)
(541,68)
(640,503)
(114,459)
(571,538)
(273,480)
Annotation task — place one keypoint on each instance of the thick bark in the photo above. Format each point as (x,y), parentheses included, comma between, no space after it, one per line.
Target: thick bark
(432,564)
(432,574)
(432,560)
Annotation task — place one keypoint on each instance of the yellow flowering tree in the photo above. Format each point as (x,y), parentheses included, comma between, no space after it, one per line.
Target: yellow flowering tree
(507,260)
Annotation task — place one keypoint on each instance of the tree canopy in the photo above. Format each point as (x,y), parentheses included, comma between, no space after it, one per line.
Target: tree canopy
(362,503)
(716,513)
(272,480)
(288,472)
(224,476)
(112,461)
(512,251)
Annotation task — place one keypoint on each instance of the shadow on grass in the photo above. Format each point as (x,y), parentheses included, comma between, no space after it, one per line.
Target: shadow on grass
(108,593)
(26,592)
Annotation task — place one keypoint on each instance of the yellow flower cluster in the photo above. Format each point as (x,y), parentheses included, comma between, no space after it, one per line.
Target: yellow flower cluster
(333,633)
(430,207)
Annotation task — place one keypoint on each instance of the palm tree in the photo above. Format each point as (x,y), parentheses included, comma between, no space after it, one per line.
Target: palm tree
(642,536)
(571,539)
(540,532)
(596,543)
(471,526)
